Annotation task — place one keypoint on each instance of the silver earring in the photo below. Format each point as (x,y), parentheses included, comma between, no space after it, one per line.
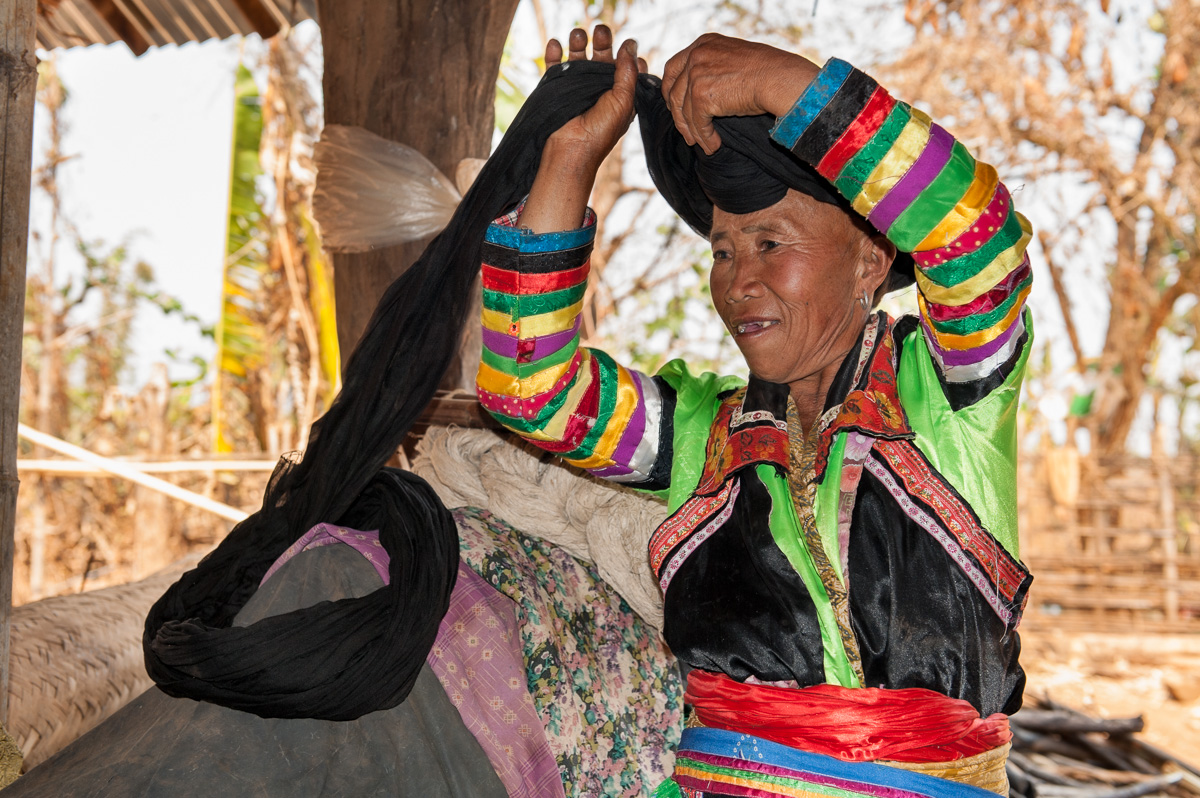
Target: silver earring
(865,299)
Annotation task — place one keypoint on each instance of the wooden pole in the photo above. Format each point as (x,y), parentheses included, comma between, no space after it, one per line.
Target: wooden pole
(422,73)
(18,84)
(74,468)
(132,474)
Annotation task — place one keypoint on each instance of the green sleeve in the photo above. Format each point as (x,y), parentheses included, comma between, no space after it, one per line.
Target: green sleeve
(975,448)
(695,410)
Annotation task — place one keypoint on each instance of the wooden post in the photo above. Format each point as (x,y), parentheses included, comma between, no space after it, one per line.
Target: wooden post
(18,82)
(422,73)
(1169,536)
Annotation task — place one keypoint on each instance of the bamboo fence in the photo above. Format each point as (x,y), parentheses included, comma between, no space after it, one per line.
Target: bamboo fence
(1114,543)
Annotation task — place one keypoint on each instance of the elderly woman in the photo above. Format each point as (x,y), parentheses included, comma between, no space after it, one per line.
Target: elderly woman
(839,569)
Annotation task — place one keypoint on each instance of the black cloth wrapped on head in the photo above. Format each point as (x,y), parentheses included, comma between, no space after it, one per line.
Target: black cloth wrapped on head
(340,660)
(747,173)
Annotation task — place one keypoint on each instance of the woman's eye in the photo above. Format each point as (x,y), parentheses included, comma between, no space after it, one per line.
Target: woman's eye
(769,244)
(720,254)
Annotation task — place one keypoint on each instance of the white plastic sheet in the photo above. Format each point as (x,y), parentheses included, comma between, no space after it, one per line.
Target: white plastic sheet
(371,192)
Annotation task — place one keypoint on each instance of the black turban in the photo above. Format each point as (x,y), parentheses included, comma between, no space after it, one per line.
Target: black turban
(747,173)
(340,660)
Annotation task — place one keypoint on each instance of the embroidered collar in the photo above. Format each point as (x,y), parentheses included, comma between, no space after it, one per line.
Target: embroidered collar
(872,404)
(751,423)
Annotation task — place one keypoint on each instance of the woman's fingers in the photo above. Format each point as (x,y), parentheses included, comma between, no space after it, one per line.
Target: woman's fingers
(717,76)
(589,137)
(685,101)
(676,99)
(553,53)
(577,42)
(602,42)
(697,110)
(673,70)
(625,80)
(699,117)
(611,115)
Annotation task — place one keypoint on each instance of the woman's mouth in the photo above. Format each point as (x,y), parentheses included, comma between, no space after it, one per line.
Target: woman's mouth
(747,327)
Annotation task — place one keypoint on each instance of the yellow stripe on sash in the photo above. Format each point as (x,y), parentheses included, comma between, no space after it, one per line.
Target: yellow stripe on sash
(753,782)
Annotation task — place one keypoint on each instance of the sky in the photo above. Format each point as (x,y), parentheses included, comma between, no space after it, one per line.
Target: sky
(151,141)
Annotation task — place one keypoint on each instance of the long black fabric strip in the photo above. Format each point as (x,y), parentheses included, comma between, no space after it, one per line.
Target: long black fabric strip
(340,660)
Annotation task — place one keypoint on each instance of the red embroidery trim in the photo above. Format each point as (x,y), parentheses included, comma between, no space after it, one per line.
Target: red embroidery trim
(683,523)
(922,482)
(726,452)
(874,409)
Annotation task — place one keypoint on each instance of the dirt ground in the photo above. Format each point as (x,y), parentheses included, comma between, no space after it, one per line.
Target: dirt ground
(1113,675)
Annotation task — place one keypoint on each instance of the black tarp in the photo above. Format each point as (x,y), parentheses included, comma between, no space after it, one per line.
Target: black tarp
(163,747)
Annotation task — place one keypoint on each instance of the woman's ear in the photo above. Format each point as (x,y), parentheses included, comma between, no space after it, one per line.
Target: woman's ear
(875,261)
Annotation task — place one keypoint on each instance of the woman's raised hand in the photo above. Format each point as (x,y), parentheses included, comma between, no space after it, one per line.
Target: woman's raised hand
(573,153)
(720,76)
(588,138)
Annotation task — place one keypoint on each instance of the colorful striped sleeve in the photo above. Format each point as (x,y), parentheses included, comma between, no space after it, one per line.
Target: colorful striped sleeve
(537,380)
(921,188)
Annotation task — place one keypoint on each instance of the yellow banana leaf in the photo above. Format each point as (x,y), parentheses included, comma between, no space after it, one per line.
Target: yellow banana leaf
(239,338)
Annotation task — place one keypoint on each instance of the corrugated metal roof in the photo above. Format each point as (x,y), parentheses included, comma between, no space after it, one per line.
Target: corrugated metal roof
(142,24)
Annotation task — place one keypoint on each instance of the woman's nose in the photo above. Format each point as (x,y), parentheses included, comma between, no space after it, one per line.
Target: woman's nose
(745,282)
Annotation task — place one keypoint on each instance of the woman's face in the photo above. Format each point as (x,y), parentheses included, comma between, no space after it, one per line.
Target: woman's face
(787,282)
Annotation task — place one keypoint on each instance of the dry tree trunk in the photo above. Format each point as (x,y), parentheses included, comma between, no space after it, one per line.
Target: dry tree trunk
(421,73)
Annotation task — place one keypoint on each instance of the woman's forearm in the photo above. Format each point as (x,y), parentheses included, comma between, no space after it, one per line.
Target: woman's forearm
(558,198)
(536,379)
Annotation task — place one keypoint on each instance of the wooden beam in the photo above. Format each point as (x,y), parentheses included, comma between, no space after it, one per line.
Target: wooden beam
(132,474)
(74,468)
(129,30)
(18,87)
(260,17)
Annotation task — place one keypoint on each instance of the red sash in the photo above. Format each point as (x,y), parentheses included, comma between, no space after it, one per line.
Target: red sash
(851,724)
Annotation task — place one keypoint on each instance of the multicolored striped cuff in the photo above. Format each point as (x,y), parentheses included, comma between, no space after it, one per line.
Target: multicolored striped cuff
(533,375)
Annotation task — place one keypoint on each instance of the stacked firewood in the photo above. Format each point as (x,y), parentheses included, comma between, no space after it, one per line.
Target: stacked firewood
(1060,752)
